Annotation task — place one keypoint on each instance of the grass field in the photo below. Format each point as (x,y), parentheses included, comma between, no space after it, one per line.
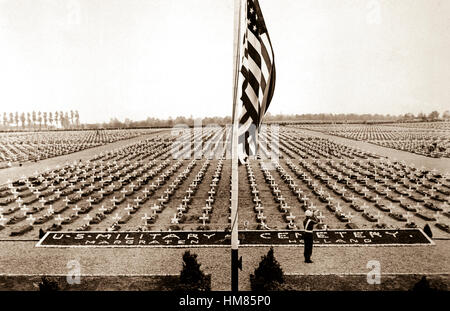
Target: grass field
(136,184)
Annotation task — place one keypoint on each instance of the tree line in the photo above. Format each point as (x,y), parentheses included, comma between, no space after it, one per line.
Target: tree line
(353,117)
(71,120)
(152,122)
(41,120)
(282,118)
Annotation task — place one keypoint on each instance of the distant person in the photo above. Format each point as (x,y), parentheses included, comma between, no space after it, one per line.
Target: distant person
(427,231)
(309,223)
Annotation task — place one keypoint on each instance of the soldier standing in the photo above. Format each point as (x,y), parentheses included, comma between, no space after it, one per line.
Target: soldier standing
(309,223)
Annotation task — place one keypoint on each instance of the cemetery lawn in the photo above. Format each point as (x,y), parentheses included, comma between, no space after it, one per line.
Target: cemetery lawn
(23,258)
(28,168)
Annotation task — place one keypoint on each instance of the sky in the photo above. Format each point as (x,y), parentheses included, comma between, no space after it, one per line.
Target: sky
(159,58)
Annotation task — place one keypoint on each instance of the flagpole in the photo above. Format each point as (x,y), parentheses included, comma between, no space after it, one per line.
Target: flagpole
(234,156)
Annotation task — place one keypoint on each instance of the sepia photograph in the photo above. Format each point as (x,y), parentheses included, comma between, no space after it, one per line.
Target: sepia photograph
(246,147)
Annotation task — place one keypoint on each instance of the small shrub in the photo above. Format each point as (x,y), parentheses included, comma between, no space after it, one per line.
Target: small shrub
(47,285)
(424,285)
(427,231)
(201,227)
(41,233)
(269,275)
(191,277)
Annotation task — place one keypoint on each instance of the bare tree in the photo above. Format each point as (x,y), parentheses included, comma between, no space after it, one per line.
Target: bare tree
(33,118)
(45,118)
(22,119)
(50,118)
(61,118)
(40,119)
(56,118)
(446,114)
(77,117)
(11,118)
(16,118)
(29,119)
(433,115)
(71,117)
(66,120)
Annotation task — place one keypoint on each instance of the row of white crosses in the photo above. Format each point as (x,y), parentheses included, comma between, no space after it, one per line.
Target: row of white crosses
(286,177)
(383,163)
(260,217)
(190,192)
(187,198)
(130,209)
(301,196)
(198,139)
(55,175)
(114,200)
(59,219)
(390,207)
(26,211)
(149,190)
(415,187)
(304,198)
(320,192)
(411,188)
(342,193)
(3,219)
(293,147)
(36,191)
(318,146)
(296,191)
(44,145)
(207,209)
(211,146)
(365,191)
(209,149)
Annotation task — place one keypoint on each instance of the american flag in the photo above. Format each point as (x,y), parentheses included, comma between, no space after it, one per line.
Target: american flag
(257,76)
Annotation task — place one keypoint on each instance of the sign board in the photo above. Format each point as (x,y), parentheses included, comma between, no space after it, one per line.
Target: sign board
(344,237)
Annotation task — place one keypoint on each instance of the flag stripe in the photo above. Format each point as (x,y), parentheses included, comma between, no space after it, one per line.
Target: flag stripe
(254,53)
(249,108)
(257,75)
(266,42)
(253,81)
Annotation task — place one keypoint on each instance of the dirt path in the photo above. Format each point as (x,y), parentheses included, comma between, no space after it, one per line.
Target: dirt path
(442,164)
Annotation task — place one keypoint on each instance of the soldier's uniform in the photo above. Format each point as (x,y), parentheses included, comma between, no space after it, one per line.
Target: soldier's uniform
(308,224)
